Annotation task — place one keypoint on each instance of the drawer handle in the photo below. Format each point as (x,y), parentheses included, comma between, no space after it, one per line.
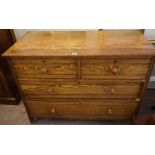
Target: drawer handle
(53,111)
(109,111)
(44,70)
(137,99)
(112,90)
(50,90)
(114,70)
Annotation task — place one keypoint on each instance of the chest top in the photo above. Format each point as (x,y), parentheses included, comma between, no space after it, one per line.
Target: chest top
(82,43)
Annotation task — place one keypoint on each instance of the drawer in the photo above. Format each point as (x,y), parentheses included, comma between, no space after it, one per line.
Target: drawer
(45,67)
(117,68)
(83,90)
(110,109)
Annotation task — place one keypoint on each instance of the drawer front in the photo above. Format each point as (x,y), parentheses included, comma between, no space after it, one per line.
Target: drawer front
(45,67)
(114,68)
(83,90)
(90,68)
(83,108)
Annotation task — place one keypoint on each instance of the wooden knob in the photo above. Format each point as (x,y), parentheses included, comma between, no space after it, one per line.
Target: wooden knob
(109,111)
(137,99)
(112,90)
(50,90)
(53,110)
(74,53)
(44,70)
(114,70)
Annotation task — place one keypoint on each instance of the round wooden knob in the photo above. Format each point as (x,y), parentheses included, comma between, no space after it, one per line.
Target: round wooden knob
(112,90)
(137,99)
(109,111)
(44,70)
(50,90)
(114,70)
(74,53)
(53,110)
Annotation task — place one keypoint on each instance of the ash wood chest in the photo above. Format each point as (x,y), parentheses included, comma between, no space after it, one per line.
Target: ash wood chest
(82,74)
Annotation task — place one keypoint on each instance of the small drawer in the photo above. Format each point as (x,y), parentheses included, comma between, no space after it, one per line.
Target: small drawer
(45,67)
(117,68)
(83,108)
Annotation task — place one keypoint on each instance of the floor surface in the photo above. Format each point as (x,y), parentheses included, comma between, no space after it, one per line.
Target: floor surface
(13,115)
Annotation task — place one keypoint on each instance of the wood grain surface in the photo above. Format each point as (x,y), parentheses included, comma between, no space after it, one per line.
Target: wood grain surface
(82,75)
(83,43)
(85,109)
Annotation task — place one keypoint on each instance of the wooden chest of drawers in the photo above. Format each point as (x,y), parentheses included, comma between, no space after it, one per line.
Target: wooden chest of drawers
(82,75)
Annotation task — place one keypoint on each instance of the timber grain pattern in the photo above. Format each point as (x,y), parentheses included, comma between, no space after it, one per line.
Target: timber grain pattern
(82,74)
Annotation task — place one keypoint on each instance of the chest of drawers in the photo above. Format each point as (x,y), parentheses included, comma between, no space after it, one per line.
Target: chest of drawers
(82,75)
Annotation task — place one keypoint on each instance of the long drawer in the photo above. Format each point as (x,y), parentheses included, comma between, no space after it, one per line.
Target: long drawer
(87,89)
(110,109)
(45,67)
(114,68)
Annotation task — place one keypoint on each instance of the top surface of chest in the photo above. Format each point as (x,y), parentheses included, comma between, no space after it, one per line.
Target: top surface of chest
(82,43)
